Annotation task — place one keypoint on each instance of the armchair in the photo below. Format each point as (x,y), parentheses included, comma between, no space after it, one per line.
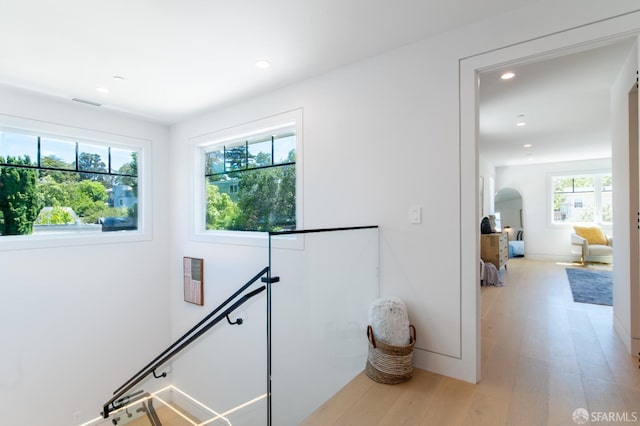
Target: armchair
(595,246)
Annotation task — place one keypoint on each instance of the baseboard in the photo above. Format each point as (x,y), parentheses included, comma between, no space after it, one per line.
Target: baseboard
(445,365)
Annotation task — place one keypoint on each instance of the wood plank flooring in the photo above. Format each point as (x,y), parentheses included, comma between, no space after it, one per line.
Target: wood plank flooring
(543,356)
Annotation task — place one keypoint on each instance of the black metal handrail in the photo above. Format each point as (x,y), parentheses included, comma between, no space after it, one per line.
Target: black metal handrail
(320,230)
(119,399)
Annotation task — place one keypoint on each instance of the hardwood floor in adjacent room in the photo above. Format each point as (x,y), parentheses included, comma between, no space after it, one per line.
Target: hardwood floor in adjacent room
(543,357)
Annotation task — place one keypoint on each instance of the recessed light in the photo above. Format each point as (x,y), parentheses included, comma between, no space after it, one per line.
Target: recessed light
(507,75)
(263,64)
(118,77)
(521,123)
(102,90)
(527,145)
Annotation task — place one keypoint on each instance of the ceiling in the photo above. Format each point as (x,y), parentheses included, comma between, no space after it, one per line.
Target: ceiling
(563,100)
(180,58)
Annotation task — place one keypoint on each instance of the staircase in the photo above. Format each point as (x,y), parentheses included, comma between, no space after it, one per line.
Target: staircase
(295,342)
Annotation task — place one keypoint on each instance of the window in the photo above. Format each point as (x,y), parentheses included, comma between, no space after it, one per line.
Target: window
(582,198)
(251,183)
(248,177)
(63,186)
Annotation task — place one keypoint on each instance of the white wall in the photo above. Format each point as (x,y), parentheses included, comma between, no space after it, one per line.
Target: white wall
(368,157)
(625,273)
(75,322)
(487,171)
(542,239)
(389,127)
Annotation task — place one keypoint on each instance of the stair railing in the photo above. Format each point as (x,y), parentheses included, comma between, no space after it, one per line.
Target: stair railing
(120,399)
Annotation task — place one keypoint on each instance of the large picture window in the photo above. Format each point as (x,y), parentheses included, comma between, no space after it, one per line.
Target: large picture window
(59,185)
(582,198)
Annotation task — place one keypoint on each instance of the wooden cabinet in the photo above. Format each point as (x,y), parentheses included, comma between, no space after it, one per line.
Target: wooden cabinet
(494,248)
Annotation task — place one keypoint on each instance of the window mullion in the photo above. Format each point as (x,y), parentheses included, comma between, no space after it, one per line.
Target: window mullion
(38,160)
(597,183)
(224,159)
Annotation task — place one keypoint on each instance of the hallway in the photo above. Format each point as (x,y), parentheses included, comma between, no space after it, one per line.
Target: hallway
(543,357)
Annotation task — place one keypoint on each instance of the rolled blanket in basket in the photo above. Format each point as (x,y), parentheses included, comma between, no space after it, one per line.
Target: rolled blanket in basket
(390,321)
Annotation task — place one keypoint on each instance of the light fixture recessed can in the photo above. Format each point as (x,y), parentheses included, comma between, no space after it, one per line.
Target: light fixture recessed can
(118,78)
(527,145)
(263,64)
(102,90)
(521,123)
(508,75)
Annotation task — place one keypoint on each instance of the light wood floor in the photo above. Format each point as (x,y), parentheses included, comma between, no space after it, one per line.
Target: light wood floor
(543,356)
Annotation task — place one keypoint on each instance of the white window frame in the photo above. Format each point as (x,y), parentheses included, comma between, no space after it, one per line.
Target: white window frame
(197,197)
(64,132)
(597,196)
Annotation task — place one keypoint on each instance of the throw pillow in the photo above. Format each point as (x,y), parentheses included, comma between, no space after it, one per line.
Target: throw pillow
(593,234)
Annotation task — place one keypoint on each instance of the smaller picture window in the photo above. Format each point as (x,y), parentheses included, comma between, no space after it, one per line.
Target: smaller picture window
(582,198)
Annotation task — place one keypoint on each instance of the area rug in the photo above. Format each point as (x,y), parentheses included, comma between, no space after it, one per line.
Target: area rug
(589,286)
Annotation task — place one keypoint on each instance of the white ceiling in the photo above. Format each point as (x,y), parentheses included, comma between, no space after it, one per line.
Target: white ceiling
(180,58)
(565,103)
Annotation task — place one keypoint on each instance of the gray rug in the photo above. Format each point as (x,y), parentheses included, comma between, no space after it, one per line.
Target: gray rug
(589,286)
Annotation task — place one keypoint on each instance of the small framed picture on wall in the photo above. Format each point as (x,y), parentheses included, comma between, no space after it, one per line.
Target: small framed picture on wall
(193,280)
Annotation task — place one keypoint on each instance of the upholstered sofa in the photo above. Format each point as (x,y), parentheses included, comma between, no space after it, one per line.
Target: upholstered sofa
(594,245)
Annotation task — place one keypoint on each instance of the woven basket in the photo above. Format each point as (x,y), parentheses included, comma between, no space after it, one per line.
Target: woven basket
(390,364)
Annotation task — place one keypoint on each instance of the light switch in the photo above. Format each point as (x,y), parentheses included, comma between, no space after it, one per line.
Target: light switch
(415,214)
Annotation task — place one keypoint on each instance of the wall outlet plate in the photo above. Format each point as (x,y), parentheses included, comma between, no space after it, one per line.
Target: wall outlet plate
(415,214)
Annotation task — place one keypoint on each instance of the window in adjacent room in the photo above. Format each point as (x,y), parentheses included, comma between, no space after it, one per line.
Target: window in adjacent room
(582,198)
(250,178)
(56,186)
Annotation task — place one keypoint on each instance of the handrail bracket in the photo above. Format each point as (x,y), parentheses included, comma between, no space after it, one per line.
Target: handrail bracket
(238,321)
(270,280)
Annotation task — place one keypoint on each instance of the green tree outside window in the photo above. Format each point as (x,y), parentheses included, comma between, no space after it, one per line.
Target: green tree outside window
(19,200)
(251,192)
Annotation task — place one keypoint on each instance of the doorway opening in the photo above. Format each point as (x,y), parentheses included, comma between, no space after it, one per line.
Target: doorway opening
(501,145)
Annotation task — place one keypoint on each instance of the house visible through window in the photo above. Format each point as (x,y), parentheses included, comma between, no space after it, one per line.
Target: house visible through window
(251,182)
(584,198)
(61,185)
